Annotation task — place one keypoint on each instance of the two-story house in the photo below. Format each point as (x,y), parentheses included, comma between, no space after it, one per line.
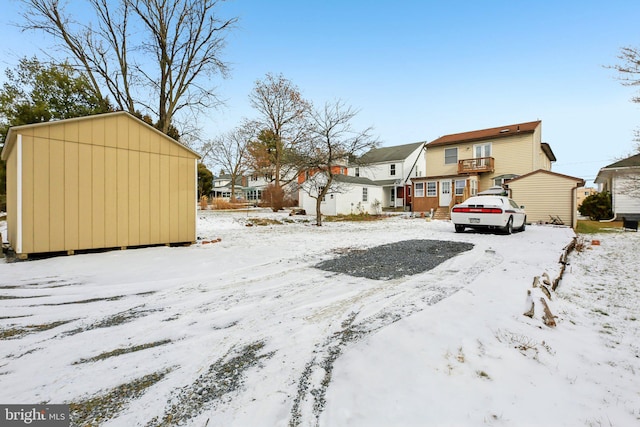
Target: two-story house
(393,168)
(381,178)
(463,164)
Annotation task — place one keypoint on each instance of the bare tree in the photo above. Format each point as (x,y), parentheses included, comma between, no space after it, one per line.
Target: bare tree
(169,48)
(629,75)
(282,123)
(332,145)
(229,151)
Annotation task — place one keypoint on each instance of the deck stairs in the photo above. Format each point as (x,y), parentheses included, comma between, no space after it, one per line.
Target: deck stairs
(442,213)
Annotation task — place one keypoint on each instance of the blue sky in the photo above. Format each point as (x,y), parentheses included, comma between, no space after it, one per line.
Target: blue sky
(418,70)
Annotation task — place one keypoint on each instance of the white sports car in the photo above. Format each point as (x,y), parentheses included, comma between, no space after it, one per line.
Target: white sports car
(489,212)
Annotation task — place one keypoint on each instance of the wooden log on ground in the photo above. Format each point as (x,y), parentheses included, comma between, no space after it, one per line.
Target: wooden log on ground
(547,317)
(529,313)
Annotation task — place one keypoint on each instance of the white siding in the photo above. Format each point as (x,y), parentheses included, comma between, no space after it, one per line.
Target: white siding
(622,202)
(345,203)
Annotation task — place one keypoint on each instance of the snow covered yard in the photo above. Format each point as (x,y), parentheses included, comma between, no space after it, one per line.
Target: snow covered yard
(248,332)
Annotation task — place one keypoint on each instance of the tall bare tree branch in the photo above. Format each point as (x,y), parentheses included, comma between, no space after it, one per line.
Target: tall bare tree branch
(177,46)
(332,144)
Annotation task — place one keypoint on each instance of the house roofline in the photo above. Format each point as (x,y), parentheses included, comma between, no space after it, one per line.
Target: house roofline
(580,181)
(16,129)
(485,134)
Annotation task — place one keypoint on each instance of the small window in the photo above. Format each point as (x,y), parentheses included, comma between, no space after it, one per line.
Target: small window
(419,189)
(432,190)
(392,170)
(460,183)
(450,156)
(357,172)
(365,194)
(474,187)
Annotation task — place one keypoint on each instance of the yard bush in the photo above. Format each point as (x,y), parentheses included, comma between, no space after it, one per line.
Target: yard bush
(597,206)
(273,197)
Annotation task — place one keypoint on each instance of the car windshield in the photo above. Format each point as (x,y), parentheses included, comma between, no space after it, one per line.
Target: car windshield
(484,200)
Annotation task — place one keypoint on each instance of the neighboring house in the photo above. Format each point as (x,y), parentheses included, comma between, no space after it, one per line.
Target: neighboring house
(102,181)
(463,164)
(547,196)
(248,187)
(222,187)
(349,195)
(393,168)
(622,180)
(582,193)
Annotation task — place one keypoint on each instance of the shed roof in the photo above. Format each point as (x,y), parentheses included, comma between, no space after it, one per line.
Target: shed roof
(389,154)
(579,181)
(482,134)
(14,130)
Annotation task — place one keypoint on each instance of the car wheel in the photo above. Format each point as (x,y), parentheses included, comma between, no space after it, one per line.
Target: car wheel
(524,224)
(459,228)
(508,229)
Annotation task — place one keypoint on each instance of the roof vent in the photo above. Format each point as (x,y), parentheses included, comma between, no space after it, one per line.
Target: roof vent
(504,130)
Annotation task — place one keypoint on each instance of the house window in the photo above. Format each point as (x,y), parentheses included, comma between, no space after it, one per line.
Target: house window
(357,172)
(432,189)
(450,156)
(480,151)
(460,183)
(392,170)
(474,187)
(365,194)
(419,189)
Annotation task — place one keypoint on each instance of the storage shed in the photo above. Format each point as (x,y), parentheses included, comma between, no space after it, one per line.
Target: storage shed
(547,196)
(103,181)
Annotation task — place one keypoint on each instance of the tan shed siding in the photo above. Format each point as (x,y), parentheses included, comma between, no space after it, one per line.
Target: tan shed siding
(134,198)
(98,207)
(122,212)
(154,198)
(85,188)
(56,194)
(145,188)
(85,197)
(164,198)
(71,195)
(41,201)
(544,195)
(174,199)
(111,197)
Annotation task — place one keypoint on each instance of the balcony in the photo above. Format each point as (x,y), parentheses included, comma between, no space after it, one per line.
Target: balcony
(477,165)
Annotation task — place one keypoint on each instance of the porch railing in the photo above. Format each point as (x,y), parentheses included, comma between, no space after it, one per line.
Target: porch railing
(477,165)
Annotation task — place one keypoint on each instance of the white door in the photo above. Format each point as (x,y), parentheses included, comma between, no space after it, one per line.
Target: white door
(481,151)
(445,192)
